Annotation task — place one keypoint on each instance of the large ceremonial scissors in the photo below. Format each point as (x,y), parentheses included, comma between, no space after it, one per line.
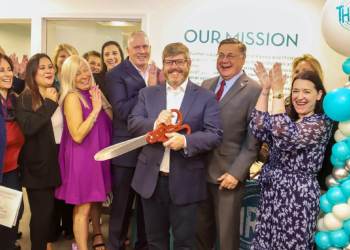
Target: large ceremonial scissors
(157,135)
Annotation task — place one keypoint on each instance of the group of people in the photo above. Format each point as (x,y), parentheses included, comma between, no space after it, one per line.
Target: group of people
(190,186)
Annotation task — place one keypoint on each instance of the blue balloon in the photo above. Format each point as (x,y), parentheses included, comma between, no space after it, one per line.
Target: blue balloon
(325,205)
(336,104)
(346,66)
(346,227)
(322,240)
(336,196)
(341,151)
(345,188)
(339,238)
(336,162)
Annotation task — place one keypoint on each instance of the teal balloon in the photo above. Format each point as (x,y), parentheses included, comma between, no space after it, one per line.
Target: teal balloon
(346,66)
(339,238)
(323,240)
(336,162)
(341,151)
(346,227)
(336,104)
(344,179)
(325,205)
(336,196)
(345,188)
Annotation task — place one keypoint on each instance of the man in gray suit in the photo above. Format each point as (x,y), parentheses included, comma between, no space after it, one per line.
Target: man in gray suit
(228,164)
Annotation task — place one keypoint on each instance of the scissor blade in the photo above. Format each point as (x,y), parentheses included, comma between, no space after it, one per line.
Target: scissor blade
(120,148)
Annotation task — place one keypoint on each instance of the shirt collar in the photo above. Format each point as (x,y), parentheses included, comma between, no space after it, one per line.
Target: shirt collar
(233,79)
(181,88)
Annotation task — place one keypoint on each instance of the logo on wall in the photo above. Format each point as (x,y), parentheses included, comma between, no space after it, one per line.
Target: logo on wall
(344,16)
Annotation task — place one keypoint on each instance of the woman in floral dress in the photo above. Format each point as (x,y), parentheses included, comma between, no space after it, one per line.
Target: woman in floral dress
(289,200)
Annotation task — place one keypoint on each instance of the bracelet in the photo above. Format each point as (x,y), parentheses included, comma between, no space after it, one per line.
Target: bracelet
(278,96)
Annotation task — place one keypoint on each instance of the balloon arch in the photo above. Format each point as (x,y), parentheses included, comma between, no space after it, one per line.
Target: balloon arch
(334,223)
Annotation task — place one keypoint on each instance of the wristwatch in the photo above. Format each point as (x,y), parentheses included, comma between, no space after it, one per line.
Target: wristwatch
(278,96)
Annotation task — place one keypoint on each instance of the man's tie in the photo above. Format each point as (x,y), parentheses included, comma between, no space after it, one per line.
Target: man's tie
(221,90)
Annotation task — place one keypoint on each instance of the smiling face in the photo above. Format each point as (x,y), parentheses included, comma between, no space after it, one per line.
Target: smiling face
(45,74)
(139,51)
(83,77)
(95,64)
(304,97)
(176,69)
(111,56)
(230,60)
(6,75)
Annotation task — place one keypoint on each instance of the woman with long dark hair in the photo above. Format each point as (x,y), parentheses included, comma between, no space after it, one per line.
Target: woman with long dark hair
(12,142)
(290,192)
(39,156)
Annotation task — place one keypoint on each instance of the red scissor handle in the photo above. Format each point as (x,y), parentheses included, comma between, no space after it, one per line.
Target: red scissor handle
(158,135)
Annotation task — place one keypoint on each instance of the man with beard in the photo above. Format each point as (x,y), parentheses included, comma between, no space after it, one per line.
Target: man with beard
(228,165)
(123,84)
(170,177)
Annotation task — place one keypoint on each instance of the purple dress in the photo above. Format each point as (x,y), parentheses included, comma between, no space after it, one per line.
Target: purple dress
(290,191)
(85,180)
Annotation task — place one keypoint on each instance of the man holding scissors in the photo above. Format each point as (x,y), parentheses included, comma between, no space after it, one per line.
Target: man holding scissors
(170,176)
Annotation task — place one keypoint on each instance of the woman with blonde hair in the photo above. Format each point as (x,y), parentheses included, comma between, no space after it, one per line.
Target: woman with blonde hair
(306,62)
(87,129)
(62,52)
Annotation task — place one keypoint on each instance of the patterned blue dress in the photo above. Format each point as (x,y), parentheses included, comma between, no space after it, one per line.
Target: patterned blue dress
(289,202)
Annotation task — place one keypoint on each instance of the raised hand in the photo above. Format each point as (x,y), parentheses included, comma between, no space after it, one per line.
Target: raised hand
(15,63)
(96,99)
(23,66)
(51,93)
(152,74)
(262,75)
(277,78)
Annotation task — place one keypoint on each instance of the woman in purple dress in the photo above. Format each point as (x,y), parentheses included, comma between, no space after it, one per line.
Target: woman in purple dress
(87,129)
(290,193)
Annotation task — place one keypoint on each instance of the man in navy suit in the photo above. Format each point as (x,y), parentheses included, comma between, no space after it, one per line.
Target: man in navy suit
(171,177)
(123,84)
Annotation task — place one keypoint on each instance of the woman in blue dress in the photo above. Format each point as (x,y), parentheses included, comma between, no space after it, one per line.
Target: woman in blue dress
(288,207)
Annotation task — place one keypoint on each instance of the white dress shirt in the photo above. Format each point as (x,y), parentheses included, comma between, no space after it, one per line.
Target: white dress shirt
(174,99)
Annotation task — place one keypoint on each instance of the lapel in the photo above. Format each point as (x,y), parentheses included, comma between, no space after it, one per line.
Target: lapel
(160,99)
(213,84)
(189,97)
(240,84)
(130,69)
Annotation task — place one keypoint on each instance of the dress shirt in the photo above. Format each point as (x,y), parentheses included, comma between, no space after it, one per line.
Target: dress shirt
(228,85)
(174,99)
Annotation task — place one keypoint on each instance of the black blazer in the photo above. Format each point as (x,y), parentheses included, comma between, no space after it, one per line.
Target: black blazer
(39,155)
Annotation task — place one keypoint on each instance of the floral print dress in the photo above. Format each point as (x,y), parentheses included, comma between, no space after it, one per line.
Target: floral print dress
(289,202)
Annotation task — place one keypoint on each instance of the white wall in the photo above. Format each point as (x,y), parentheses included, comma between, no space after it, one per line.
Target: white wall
(167,21)
(20,38)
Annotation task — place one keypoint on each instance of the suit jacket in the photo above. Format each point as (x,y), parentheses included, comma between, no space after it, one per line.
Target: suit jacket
(239,147)
(200,110)
(122,87)
(38,159)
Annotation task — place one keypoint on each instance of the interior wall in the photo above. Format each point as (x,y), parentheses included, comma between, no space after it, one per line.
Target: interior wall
(15,38)
(168,21)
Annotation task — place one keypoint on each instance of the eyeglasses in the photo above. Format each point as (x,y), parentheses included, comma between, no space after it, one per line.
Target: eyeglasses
(229,56)
(178,62)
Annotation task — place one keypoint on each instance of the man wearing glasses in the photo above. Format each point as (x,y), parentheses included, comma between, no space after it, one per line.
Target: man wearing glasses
(170,177)
(228,164)
(123,84)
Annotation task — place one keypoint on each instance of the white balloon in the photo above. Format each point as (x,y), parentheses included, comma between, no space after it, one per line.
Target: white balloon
(344,128)
(341,211)
(339,136)
(320,225)
(331,222)
(335,31)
